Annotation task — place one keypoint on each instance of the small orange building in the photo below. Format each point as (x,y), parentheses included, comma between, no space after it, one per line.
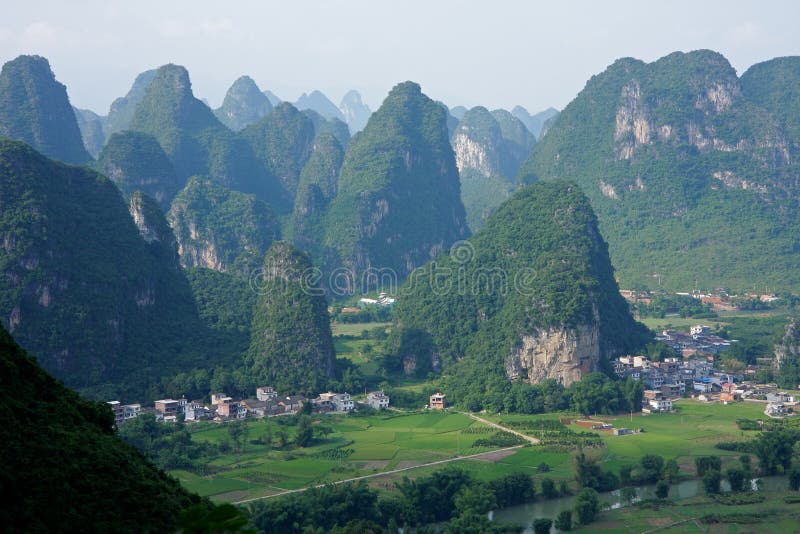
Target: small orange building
(437,401)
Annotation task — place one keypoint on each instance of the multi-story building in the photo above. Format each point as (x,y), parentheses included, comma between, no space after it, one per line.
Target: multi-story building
(437,401)
(265,393)
(378,400)
(169,409)
(124,412)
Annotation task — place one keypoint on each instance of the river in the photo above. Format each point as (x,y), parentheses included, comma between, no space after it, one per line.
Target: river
(524,514)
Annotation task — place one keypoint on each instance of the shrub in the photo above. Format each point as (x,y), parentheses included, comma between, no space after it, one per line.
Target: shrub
(564,521)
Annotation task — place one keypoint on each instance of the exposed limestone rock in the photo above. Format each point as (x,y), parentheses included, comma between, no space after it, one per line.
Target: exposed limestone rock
(789,348)
(561,354)
(608,190)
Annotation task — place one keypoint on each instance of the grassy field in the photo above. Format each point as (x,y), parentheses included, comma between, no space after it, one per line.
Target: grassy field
(691,515)
(691,431)
(357,446)
(373,444)
(355,329)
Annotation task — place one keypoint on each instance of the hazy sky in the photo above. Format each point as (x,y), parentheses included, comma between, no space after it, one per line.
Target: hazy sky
(493,53)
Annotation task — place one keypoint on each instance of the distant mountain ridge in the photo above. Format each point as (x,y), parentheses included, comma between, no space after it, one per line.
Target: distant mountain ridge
(34,108)
(489,148)
(244,105)
(692,171)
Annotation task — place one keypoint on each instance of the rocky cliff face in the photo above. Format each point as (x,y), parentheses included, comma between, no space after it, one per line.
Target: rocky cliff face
(135,161)
(34,108)
(788,350)
(244,105)
(356,113)
(561,354)
(683,148)
(531,296)
(489,148)
(222,230)
(91,285)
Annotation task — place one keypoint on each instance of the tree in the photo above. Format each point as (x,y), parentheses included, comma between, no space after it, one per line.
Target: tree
(587,506)
(736,479)
(237,430)
(662,489)
(746,468)
(704,464)
(794,478)
(711,481)
(774,450)
(564,521)
(207,519)
(671,470)
(477,498)
(549,488)
(542,526)
(305,432)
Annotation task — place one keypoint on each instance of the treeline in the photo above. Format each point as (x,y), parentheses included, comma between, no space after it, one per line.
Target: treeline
(682,305)
(450,498)
(596,393)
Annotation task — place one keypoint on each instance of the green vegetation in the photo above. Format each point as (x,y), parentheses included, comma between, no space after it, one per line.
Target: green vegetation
(318,183)
(680,305)
(194,140)
(488,181)
(772,511)
(64,470)
(282,142)
(518,277)
(291,344)
(270,458)
(103,308)
(449,494)
(331,126)
(91,127)
(34,108)
(135,161)
(222,229)
(122,109)
(697,198)
(244,105)
(398,184)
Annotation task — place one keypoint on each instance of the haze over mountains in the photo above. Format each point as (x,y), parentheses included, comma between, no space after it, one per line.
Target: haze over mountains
(690,169)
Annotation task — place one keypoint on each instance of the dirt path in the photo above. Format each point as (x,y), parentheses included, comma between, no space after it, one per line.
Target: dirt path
(384,473)
(501,427)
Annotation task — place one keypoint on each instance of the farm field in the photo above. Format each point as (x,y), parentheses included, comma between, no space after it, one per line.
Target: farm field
(355,447)
(355,329)
(358,446)
(691,431)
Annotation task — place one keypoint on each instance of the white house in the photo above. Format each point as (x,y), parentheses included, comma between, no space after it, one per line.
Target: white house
(660,405)
(378,400)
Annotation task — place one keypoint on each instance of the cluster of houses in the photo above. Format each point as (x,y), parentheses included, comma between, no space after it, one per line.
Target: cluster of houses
(267,403)
(698,342)
(780,404)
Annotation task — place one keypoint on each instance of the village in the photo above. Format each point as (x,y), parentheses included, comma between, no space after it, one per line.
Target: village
(267,403)
(692,374)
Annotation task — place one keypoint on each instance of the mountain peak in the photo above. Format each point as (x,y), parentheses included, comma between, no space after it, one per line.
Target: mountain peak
(244,105)
(35,108)
(320,103)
